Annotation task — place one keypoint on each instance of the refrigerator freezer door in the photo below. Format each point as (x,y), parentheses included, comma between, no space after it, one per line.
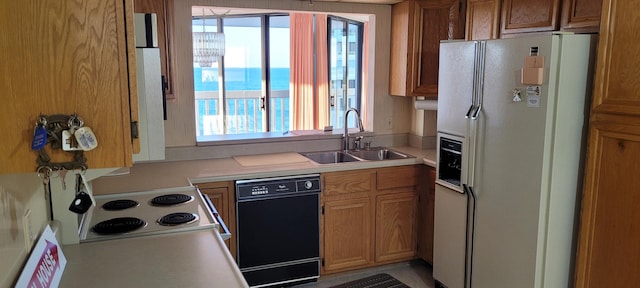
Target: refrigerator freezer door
(449,231)
(455,85)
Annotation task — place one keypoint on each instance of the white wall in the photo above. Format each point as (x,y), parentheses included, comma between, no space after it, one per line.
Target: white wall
(18,193)
(179,128)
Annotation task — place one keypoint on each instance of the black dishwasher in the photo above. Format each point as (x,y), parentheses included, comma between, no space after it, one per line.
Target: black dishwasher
(278,230)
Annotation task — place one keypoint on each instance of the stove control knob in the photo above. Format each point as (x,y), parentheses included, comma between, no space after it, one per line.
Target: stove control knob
(308,184)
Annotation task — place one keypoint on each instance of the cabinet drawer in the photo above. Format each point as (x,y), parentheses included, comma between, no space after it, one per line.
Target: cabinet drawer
(396,177)
(349,182)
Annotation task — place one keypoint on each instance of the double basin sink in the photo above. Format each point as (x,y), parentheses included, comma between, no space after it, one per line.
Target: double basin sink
(341,156)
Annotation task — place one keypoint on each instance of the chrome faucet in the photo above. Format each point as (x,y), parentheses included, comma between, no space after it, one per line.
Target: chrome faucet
(345,140)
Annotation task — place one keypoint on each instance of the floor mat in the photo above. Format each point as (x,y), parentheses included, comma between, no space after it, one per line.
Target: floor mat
(382,280)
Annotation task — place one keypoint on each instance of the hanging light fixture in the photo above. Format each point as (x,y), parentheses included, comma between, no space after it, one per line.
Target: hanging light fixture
(207,45)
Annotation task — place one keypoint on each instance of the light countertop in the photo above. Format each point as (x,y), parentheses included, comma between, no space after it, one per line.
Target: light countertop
(153,175)
(190,259)
(202,259)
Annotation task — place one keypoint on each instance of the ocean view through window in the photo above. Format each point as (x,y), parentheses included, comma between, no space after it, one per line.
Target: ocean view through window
(243,86)
(233,96)
(278,73)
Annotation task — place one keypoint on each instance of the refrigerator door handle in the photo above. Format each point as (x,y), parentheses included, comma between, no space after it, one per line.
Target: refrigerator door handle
(476,113)
(470,234)
(470,112)
(479,87)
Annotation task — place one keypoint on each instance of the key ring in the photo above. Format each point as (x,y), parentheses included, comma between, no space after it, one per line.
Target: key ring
(75,121)
(44,171)
(80,170)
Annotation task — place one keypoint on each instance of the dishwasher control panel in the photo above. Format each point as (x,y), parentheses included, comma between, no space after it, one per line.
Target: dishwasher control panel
(279,186)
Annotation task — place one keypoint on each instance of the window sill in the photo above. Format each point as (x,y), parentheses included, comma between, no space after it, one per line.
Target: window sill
(270,137)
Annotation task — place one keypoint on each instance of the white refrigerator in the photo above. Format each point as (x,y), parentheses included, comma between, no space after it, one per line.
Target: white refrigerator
(509,219)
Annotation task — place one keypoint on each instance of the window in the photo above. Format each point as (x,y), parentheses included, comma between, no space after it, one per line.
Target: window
(255,75)
(262,85)
(345,35)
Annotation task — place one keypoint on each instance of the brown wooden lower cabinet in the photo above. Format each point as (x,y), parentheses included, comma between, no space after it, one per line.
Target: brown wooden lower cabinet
(369,216)
(426,203)
(608,254)
(222,195)
(347,234)
(367,227)
(395,226)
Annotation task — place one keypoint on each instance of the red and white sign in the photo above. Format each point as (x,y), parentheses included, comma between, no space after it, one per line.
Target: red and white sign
(45,265)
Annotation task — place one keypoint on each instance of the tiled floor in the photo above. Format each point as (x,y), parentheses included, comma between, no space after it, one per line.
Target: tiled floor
(416,274)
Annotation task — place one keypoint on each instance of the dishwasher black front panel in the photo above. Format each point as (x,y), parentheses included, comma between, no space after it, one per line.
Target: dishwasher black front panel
(278,230)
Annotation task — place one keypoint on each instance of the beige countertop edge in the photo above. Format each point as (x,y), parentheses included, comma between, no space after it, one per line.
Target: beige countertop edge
(154,175)
(202,261)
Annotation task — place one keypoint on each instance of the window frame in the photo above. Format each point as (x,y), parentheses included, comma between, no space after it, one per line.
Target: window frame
(222,89)
(359,65)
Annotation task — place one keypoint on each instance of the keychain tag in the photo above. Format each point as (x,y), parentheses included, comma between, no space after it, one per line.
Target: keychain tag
(86,139)
(39,138)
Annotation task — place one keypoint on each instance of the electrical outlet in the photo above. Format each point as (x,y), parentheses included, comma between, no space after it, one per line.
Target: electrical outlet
(389,124)
(27,230)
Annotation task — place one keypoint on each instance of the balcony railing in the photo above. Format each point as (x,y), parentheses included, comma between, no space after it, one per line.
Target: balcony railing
(243,112)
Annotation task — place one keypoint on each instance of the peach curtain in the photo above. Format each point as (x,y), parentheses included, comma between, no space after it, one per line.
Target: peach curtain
(322,72)
(309,102)
(301,85)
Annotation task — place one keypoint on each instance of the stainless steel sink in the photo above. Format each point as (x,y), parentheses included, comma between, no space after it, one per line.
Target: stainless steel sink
(330,157)
(373,154)
(378,154)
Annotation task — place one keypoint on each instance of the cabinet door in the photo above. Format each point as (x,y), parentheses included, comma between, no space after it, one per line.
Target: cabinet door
(617,83)
(163,10)
(396,226)
(417,27)
(437,21)
(608,252)
(426,201)
(519,16)
(483,18)
(66,57)
(581,15)
(347,234)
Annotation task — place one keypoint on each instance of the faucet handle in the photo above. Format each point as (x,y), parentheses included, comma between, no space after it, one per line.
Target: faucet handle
(367,145)
(357,142)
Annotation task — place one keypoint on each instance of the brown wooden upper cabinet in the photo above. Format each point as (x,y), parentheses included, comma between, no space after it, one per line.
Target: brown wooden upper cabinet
(66,57)
(417,27)
(483,19)
(525,16)
(163,10)
(581,15)
(521,16)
